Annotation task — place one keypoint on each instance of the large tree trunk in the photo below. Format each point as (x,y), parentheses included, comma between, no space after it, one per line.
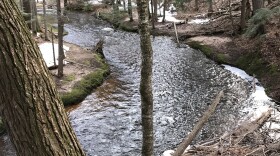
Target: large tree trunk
(257,4)
(129,7)
(60,40)
(29,103)
(146,79)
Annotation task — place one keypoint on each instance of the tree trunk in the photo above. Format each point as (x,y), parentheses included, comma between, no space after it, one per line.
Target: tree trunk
(129,7)
(35,22)
(153,14)
(65,3)
(29,102)
(164,8)
(60,40)
(155,11)
(27,9)
(146,79)
(210,7)
(124,5)
(243,15)
(45,21)
(196,5)
(257,4)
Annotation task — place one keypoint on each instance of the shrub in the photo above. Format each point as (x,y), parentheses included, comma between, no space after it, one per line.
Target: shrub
(258,21)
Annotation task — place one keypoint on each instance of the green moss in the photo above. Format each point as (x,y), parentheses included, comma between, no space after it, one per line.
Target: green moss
(85,86)
(203,48)
(252,63)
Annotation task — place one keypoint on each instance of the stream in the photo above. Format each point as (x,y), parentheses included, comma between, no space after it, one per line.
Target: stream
(108,122)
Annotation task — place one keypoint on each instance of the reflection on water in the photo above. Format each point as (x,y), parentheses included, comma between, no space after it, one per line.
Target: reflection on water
(184,83)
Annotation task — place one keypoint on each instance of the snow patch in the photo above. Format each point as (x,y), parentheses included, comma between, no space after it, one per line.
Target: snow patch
(108,29)
(47,53)
(199,21)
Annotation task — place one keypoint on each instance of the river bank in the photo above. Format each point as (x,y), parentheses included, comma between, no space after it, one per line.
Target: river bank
(258,56)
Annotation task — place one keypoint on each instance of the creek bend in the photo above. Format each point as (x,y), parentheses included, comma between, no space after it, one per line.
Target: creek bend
(108,122)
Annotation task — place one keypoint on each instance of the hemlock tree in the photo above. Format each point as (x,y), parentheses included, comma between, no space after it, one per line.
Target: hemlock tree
(146,79)
(34,115)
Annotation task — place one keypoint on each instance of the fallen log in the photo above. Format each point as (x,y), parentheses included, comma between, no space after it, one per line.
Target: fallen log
(186,142)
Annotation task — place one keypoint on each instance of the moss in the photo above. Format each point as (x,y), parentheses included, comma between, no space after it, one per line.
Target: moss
(203,48)
(252,63)
(85,86)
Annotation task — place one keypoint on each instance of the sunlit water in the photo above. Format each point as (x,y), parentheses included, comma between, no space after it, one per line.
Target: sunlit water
(184,83)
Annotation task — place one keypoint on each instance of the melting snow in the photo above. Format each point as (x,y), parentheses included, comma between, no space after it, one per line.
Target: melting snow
(47,52)
(199,21)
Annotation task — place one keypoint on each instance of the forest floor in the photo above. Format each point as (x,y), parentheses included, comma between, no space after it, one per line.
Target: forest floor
(80,62)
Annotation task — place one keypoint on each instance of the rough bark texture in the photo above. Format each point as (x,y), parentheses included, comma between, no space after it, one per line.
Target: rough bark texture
(29,103)
(129,7)
(146,79)
(164,8)
(60,40)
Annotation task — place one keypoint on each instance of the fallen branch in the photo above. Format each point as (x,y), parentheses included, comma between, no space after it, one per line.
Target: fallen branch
(186,142)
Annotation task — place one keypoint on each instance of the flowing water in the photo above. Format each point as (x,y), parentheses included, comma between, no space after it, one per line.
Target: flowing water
(108,122)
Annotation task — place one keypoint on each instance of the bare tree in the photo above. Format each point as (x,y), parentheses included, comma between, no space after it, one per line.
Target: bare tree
(146,79)
(45,21)
(34,115)
(60,40)
(129,8)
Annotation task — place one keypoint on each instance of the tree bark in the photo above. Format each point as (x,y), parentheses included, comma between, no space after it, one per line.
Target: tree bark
(60,40)
(146,79)
(257,4)
(129,7)
(29,102)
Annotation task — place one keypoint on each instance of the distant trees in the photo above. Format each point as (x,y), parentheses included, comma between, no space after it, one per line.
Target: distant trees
(29,102)
(146,79)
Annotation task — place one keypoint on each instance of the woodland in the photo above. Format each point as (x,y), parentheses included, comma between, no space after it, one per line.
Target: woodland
(37,97)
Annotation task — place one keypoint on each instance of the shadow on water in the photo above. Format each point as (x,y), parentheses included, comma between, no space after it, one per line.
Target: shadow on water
(108,121)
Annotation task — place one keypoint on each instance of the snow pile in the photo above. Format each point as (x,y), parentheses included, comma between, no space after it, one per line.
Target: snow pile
(95,2)
(47,52)
(199,21)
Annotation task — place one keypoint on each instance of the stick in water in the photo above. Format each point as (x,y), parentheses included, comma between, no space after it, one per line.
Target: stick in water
(186,142)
